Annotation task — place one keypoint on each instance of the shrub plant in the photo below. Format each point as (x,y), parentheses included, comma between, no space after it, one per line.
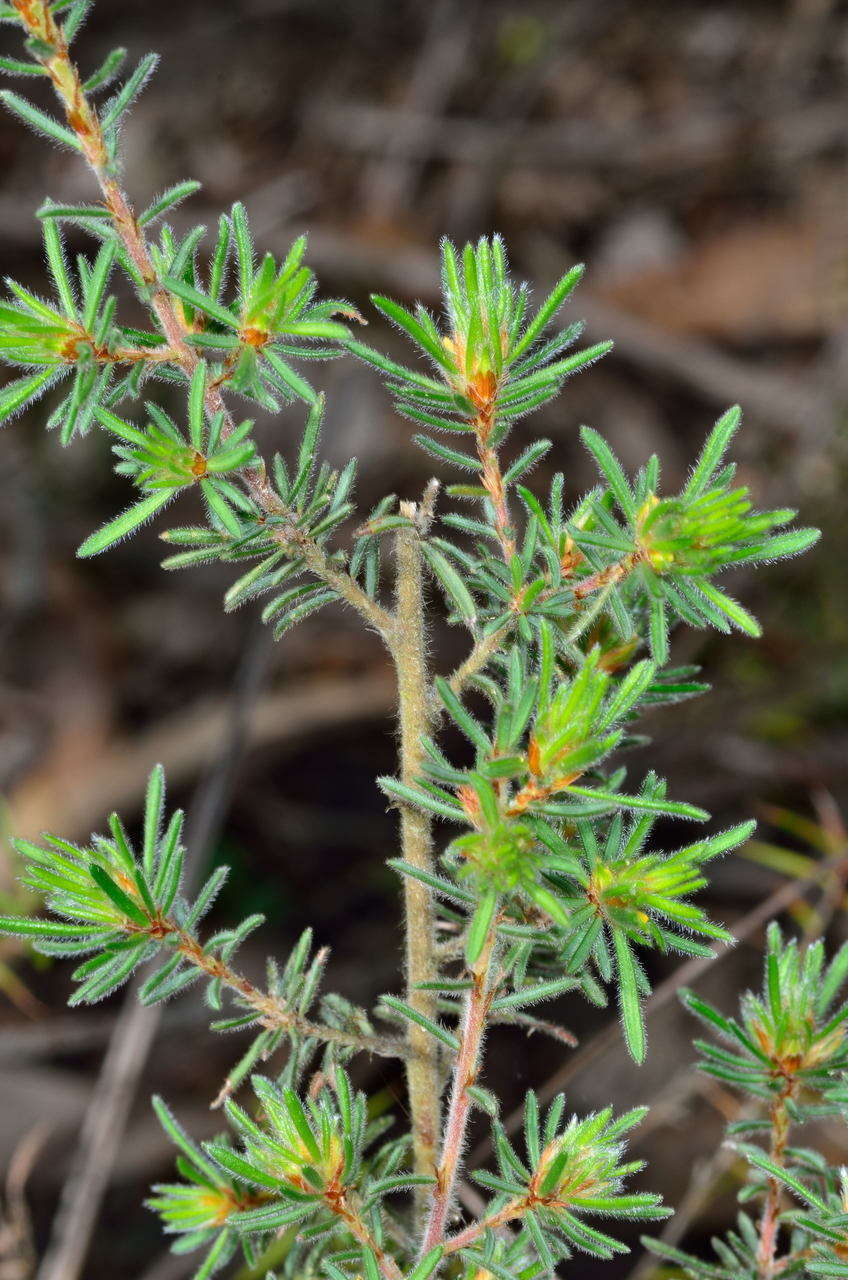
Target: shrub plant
(551,880)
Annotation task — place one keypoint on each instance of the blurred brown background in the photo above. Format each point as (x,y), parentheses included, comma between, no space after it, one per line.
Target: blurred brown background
(695,156)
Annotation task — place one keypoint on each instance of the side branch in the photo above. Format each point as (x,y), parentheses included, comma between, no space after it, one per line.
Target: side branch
(493,483)
(483,391)
(483,650)
(511,1211)
(273,1012)
(85,123)
(607,577)
(344,1208)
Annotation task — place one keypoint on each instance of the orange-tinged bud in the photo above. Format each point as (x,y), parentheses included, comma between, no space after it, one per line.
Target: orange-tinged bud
(254,337)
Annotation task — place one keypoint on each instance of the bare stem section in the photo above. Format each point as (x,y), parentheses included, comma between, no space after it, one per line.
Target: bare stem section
(409,650)
(483,393)
(483,650)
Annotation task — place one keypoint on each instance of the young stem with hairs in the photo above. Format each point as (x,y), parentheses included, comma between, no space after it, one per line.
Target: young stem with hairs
(465,1071)
(779,1128)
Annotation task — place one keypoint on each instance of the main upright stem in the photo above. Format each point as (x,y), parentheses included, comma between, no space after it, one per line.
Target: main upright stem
(409,651)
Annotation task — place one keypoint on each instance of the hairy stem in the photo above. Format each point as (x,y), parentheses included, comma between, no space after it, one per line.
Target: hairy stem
(85,123)
(485,396)
(342,1205)
(274,1013)
(607,577)
(476,1012)
(492,479)
(483,650)
(409,650)
(512,1210)
(767,1265)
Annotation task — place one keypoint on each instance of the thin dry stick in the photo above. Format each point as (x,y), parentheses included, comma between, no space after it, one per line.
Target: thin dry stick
(136,1028)
(17,1250)
(706,1176)
(561,144)
(423,1076)
(169,1267)
(100,1138)
(390,181)
(57,1035)
(184,743)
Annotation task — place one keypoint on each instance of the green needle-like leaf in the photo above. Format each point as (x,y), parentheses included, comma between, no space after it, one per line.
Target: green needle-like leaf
(123,525)
(628,993)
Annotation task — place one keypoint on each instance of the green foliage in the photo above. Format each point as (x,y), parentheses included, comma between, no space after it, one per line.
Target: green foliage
(588,904)
(273,317)
(312,501)
(621,894)
(114,903)
(493,363)
(570,1172)
(121,905)
(74,337)
(676,545)
(788,1048)
(792,1029)
(549,883)
(160,459)
(197,1210)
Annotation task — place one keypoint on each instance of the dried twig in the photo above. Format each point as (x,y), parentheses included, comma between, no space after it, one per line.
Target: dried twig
(169,1267)
(687,145)
(17,1249)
